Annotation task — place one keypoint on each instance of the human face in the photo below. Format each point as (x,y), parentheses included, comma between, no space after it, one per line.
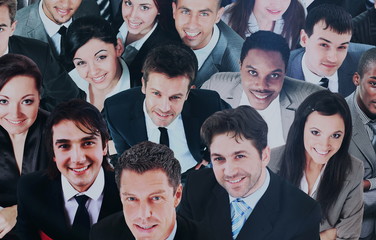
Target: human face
(366,93)
(139,15)
(270,10)
(323,136)
(6,29)
(164,97)
(60,11)
(237,164)
(98,63)
(325,49)
(262,73)
(149,203)
(78,154)
(194,21)
(19,102)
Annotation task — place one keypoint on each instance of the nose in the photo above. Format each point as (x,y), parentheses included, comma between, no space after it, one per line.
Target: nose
(332,56)
(165,105)
(64,3)
(133,13)
(77,155)
(261,83)
(144,210)
(193,21)
(230,169)
(93,70)
(15,110)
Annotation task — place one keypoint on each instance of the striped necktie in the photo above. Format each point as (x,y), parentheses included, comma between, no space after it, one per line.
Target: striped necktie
(239,213)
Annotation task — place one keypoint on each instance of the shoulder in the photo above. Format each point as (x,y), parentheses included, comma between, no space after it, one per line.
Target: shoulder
(203,101)
(357,49)
(27,44)
(299,87)
(201,182)
(232,37)
(110,227)
(221,80)
(189,229)
(23,13)
(32,183)
(124,98)
(275,158)
(357,169)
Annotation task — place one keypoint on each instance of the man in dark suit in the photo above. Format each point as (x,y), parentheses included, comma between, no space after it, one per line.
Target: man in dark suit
(216,45)
(363,142)
(79,188)
(165,110)
(365,26)
(328,58)
(239,198)
(148,177)
(48,20)
(57,85)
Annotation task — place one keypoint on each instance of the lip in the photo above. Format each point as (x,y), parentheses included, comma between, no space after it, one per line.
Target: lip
(99,79)
(16,122)
(163,115)
(321,153)
(62,12)
(273,12)
(134,25)
(235,181)
(261,96)
(191,35)
(145,228)
(80,170)
(329,65)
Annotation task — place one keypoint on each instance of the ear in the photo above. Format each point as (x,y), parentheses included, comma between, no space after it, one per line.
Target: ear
(303,38)
(105,149)
(178,195)
(13,27)
(356,79)
(219,14)
(173,9)
(119,48)
(143,88)
(265,156)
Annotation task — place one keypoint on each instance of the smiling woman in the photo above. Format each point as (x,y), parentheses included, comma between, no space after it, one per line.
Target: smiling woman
(21,127)
(95,52)
(322,166)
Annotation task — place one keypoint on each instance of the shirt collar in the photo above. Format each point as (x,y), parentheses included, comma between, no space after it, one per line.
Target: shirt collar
(51,27)
(173,233)
(253,199)
(254,27)
(94,192)
(312,77)
(123,33)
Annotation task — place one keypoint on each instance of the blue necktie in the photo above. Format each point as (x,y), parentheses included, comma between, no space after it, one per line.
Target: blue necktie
(239,214)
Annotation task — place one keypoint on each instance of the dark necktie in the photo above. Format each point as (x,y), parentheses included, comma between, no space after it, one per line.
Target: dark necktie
(104,9)
(81,222)
(63,33)
(324,82)
(163,139)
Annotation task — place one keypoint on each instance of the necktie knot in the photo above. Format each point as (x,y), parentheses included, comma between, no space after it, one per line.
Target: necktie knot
(81,200)
(163,139)
(324,82)
(62,31)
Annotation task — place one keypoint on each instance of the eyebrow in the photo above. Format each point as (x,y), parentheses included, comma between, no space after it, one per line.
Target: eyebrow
(91,137)
(27,95)
(153,193)
(326,40)
(102,50)
(275,70)
(3,25)
(178,94)
(373,77)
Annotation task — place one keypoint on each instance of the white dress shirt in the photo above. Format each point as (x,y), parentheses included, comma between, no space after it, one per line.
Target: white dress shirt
(203,53)
(315,79)
(304,184)
(177,140)
(93,204)
(52,28)
(173,233)
(123,33)
(273,118)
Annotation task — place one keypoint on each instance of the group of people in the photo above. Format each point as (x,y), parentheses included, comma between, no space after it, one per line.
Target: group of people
(160,119)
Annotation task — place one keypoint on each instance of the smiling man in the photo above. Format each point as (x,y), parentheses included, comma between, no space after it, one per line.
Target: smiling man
(328,58)
(79,188)
(239,198)
(362,104)
(216,45)
(148,177)
(262,84)
(165,110)
(47,20)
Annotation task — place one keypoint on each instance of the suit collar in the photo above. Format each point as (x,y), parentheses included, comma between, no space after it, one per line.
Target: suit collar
(34,25)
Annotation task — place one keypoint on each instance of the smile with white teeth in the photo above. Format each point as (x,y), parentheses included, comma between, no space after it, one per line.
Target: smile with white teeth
(235,181)
(260,96)
(98,79)
(192,34)
(15,122)
(321,153)
(80,169)
(164,115)
(146,227)
(134,24)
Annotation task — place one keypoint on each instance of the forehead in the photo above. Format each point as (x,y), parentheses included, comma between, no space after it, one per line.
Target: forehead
(70,130)
(329,123)
(321,30)
(264,60)
(4,15)
(198,4)
(227,143)
(370,69)
(166,84)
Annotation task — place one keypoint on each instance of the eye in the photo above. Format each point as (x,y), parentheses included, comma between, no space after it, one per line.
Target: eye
(156,93)
(324,45)
(28,101)
(185,11)
(156,198)
(218,159)
(2,29)
(128,3)
(204,14)
(315,132)
(175,97)
(89,143)
(373,84)
(144,8)
(80,63)
(4,101)
(336,135)
(239,156)
(252,73)
(342,47)
(63,146)
(274,75)
(130,199)
(101,57)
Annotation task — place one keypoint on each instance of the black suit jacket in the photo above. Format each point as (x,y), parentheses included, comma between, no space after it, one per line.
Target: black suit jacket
(41,207)
(126,120)
(114,227)
(364,30)
(283,212)
(57,85)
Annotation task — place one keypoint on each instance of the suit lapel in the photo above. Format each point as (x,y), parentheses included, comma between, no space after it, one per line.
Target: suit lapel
(295,65)
(345,74)
(137,123)
(288,108)
(111,199)
(191,124)
(35,26)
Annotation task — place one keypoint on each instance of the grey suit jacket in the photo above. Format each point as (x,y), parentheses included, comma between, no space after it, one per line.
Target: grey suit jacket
(293,92)
(345,72)
(347,213)
(361,147)
(29,23)
(224,57)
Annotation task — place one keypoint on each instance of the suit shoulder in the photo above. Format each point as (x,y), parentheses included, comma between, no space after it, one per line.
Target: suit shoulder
(296,52)
(126,97)
(204,100)
(23,13)
(299,87)
(201,182)
(109,227)
(28,44)
(222,80)
(33,181)
(230,35)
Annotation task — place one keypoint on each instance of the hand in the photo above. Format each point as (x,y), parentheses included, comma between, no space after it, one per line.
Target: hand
(366,185)
(8,218)
(204,162)
(329,234)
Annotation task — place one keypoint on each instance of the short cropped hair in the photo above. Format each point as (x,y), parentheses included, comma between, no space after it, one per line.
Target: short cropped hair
(173,59)
(366,60)
(147,156)
(12,7)
(83,29)
(242,122)
(218,1)
(335,17)
(12,65)
(86,117)
(267,41)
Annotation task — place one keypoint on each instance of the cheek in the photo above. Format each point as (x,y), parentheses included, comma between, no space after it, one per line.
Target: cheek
(82,71)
